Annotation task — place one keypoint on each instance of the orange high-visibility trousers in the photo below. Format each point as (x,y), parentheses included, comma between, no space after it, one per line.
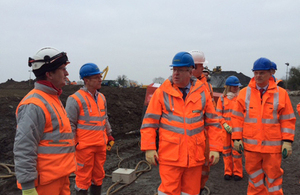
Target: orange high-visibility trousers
(59,186)
(206,166)
(232,159)
(179,180)
(90,162)
(265,173)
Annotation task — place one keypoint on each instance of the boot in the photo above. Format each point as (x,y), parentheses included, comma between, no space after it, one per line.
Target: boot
(95,190)
(81,192)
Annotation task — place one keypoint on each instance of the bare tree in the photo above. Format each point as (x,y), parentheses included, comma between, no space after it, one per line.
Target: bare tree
(159,80)
(122,80)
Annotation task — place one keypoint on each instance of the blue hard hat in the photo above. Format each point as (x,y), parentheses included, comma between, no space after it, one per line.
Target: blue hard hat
(262,64)
(89,69)
(232,81)
(182,59)
(274,66)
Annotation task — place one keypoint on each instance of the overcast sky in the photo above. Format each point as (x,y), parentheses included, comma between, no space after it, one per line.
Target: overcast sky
(139,38)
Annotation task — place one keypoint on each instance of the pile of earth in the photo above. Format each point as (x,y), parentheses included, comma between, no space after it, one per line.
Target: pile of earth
(125,108)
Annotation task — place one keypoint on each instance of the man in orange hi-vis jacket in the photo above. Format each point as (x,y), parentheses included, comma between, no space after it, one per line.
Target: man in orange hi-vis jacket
(199,59)
(87,111)
(263,123)
(44,148)
(179,109)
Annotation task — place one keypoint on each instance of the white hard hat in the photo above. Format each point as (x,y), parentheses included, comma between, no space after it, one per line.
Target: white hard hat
(198,57)
(205,69)
(47,59)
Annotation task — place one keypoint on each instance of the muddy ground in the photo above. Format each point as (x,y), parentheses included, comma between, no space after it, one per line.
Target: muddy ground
(125,106)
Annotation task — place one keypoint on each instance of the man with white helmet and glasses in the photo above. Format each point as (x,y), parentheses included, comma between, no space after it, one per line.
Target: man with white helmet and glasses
(179,109)
(200,60)
(87,111)
(44,143)
(198,71)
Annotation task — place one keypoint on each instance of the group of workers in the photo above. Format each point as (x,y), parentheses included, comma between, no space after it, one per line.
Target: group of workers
(257,121)
(52,142)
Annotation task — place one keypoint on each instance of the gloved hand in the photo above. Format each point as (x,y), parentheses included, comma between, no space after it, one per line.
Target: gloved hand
(214,157)
(227,128)
(152,157)
(31,191)
(110,142)
(238,146)
(286,149)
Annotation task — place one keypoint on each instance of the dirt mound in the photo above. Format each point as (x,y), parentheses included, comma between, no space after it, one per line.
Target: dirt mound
(125,107)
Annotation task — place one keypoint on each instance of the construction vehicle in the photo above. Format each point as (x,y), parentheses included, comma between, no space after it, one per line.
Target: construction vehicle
(149,92)
(217,69)
(68,82)
(133,84)
(104,72)
(110,83)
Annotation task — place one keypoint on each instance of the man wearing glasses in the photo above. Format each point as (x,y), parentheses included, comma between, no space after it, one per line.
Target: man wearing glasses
(179,109)
(198,72)
(87,112)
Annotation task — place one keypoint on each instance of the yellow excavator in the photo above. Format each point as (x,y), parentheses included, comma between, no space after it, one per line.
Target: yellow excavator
(104,72)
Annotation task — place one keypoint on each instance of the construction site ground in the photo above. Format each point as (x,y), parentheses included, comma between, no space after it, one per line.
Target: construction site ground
(125,107)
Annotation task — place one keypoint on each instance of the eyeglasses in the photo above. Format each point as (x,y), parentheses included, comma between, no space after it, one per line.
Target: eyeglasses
(96,77)
(180,70)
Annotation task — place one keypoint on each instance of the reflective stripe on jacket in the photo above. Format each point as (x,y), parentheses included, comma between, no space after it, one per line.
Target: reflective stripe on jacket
(181,124)
(88,118)
(44,142)
(208,86)
(264,122)
(224,109)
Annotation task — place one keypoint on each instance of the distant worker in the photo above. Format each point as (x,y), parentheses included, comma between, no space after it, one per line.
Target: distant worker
(179,109)
(232,159)
(44,142)
(263,123)
(206,73)
(87,112)
(199,60)
(273,71)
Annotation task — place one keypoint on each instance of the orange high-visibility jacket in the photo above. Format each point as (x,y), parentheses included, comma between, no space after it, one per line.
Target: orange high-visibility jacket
(224,109)
(208,86)
(298,108)
(88,118)
(181,124)
(278,81)
(262,123)
(44,144)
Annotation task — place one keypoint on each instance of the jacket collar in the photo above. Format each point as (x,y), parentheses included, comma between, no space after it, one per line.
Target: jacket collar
(272,88)
(169,87)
